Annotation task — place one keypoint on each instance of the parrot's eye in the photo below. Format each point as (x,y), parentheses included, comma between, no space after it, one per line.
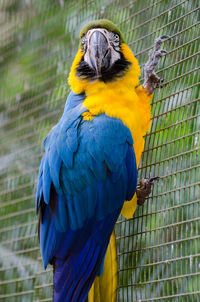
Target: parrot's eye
(84,43)
(114,41)
(116,37)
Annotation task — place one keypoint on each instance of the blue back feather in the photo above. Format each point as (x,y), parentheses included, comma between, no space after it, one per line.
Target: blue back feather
(87,172)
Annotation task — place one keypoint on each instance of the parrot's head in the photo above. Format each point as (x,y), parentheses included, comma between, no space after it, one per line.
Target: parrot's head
(103,55)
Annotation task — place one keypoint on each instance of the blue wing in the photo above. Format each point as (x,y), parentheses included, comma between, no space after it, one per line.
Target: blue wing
(87,172)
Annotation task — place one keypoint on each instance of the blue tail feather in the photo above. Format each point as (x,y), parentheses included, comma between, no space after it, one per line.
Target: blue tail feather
(64,277)
(72,294)
(74,276)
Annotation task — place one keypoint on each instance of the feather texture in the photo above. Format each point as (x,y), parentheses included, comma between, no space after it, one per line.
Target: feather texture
(88,170)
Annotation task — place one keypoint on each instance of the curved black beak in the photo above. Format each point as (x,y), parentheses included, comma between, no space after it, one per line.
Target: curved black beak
(98,54)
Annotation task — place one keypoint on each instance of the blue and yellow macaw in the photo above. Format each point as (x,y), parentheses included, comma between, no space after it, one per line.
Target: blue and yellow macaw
(88,174)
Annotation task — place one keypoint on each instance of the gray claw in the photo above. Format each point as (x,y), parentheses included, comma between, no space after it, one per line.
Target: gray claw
(152,179)
(165,37)
(160,40)
(157,54)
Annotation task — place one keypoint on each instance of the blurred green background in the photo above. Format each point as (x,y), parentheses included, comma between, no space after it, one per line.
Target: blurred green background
(159,249)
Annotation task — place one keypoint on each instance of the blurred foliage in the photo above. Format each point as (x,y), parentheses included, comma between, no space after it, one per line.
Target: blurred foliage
(159,249)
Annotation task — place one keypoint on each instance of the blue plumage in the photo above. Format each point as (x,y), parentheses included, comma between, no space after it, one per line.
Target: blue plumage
(87,172)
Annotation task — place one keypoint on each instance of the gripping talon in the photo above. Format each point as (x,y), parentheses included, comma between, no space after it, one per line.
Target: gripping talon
(152,81)
(145,188)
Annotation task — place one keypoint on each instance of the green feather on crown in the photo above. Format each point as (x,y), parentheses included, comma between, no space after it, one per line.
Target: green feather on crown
(101,23)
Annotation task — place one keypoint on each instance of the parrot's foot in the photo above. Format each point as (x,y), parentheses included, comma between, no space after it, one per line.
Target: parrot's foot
(152,80)
(144,189)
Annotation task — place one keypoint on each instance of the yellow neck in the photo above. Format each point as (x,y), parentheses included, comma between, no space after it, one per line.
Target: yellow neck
(131,78)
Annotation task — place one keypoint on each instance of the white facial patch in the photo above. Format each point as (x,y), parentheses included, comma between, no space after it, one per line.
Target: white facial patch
(113,41)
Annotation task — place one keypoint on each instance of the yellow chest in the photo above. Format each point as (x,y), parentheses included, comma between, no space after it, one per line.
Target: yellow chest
(132,106)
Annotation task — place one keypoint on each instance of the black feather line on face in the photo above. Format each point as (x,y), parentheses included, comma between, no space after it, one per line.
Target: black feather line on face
(117,70)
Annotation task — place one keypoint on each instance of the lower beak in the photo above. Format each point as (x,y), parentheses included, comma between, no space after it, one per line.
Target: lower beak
(98,54)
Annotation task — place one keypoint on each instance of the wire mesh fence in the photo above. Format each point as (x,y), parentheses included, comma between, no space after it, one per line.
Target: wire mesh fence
(159,248)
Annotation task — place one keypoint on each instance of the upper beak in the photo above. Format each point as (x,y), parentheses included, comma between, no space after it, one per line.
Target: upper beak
(98,54)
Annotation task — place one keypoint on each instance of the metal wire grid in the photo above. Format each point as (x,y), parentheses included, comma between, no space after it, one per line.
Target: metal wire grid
(159,249)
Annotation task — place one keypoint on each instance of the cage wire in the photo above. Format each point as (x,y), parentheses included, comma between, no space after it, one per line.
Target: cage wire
(159,248)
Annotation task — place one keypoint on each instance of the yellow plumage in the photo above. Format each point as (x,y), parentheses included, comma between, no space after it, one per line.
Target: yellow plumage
(124,100)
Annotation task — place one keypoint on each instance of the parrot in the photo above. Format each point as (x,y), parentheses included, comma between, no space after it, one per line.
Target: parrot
(88,173)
